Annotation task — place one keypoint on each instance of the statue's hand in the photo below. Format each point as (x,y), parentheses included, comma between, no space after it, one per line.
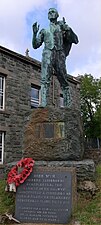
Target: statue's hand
(64,26)
(35,28)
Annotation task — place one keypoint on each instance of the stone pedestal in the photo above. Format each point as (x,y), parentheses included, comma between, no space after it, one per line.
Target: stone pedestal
(54,134)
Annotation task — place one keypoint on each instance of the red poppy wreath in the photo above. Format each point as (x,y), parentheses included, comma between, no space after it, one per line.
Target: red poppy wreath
(26,166)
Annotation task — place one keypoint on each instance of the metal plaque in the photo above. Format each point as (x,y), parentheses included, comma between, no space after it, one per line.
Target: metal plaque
(45,197)
(48,130)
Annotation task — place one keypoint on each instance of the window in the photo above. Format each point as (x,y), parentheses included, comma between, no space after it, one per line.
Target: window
(2,92)
(1,146)
(61,100)
(35,96)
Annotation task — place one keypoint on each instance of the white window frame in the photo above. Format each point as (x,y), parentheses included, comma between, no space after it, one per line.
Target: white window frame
(2,92)
(61,97)
(34,99)
(2,147)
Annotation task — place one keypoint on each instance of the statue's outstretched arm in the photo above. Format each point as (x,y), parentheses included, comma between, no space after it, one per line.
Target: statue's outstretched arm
(37,40)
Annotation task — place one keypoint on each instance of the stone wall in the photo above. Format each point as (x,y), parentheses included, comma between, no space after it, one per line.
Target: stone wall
(20,72)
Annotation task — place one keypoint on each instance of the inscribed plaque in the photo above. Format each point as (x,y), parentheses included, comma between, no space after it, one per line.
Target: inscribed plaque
(45,197)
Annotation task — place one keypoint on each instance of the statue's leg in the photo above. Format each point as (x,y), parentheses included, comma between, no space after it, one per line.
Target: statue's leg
(62,77)
(61,68)
(45,76)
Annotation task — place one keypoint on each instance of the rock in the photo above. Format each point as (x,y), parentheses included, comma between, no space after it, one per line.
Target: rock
(88,186)
(54,134)
(76,223)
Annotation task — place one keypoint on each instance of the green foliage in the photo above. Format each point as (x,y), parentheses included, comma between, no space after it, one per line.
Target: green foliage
(91,105)
(98,171)
(89,208)
(7,199)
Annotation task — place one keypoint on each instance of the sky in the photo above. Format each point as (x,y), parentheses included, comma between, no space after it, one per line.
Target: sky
(83,16)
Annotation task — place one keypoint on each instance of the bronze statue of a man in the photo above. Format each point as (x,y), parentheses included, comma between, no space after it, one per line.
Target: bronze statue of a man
(58,39)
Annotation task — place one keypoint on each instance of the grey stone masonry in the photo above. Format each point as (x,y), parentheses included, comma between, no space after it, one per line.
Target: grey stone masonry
(20,71)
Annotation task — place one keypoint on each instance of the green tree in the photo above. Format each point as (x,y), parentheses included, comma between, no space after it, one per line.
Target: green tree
(91,105)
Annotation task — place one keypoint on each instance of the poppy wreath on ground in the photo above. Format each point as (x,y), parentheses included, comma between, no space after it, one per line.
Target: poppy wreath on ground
(26,167)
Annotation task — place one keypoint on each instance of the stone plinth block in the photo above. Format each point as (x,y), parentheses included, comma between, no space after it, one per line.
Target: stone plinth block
(54,134)
(85,169)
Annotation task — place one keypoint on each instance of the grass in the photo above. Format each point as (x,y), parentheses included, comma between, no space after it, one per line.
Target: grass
(88,210)
(7,199)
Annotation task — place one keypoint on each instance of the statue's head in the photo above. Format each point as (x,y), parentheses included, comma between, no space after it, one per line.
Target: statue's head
(52,14)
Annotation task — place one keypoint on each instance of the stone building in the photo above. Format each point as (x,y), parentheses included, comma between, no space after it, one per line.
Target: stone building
(19,96)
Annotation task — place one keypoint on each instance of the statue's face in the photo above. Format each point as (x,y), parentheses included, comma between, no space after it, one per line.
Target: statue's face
(52,14)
